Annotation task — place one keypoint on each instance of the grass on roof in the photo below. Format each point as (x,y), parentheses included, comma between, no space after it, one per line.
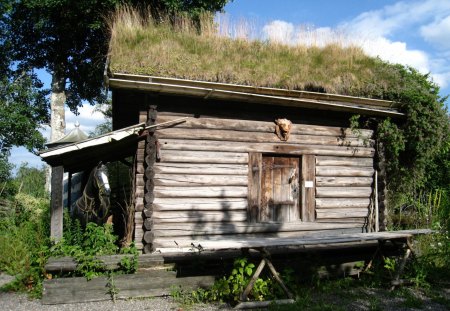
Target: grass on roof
(177,50)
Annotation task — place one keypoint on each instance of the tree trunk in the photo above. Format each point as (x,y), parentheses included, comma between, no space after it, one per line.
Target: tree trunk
(57,101)
(57,116)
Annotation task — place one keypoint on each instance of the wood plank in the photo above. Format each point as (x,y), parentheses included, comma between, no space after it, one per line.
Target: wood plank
(265,147)
(342,213)
(261,126)
(302,241)
(254,186)
(329,181)
(265,208)
(201,192)
(178,229)
(228,135)
(203,157)
(56,210)
(199,217)
(200,180)
(68,264)
(148,284)
(308,187)
(343,161)
(343,192)
(199,204)
(187,168)
(342,203)
(337,171)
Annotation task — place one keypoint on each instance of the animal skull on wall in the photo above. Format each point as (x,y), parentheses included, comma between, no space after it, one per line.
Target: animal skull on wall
(283,129)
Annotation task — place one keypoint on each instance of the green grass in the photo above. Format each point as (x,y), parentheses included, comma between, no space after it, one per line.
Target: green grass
(143,47)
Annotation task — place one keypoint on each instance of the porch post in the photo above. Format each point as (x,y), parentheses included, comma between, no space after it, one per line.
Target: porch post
(56,203)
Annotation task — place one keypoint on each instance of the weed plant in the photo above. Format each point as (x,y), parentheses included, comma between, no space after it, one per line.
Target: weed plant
(24,241)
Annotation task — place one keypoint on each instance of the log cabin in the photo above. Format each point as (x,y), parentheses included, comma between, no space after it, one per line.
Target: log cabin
(226,164)
(217,165)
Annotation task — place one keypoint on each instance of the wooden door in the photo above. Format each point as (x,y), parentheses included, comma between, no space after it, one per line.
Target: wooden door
(280,189)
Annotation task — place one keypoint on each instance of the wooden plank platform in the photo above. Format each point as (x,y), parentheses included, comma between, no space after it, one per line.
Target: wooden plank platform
(140,285)
(219,244)
(68,264)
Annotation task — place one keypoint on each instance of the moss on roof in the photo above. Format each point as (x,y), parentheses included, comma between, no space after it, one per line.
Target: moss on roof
(139,47)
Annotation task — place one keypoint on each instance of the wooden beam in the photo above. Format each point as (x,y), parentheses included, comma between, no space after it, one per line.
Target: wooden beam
(56,203)
(265,147)
(205,169)
(260,137)
(343,192)
(263,126)
(308,185)
(329,181)
(336,171)
(343,161)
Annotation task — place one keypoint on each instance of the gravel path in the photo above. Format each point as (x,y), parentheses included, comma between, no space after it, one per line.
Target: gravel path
(357,299)
(20,302)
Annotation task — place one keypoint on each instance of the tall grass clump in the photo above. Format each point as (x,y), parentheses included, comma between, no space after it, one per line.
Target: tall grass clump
(205,50)
(24,232)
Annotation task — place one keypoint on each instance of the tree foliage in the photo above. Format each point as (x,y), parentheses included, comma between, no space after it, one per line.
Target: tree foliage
(414,144)
(72,36)
(23,103)
(416,148)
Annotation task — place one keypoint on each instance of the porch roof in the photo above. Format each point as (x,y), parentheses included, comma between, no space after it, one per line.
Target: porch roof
(80,155)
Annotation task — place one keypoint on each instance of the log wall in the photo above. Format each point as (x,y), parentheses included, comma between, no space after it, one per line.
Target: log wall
(200,186)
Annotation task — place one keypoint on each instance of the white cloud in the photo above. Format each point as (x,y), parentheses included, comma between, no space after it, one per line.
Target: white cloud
(87,117)
(279,31)
(378,33)
(437,33)
(401,15)
(397,52)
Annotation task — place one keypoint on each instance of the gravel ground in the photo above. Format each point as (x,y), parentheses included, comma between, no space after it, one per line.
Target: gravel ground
(359,299)
(20,302)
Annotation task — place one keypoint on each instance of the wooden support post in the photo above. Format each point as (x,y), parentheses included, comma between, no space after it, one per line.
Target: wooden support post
(408,252)
(278,279)
(253,280)
(265,260)
(56,212)
(69,190)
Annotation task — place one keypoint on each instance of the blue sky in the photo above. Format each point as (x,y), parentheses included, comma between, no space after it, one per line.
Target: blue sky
(415,33)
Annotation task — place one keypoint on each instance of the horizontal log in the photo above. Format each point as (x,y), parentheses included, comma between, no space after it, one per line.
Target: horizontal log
(196,217)
(329,181)
(140,180)
(183,229)
(347,228)
(140,168)
(187,168)
(343,192)
(203,157)
(314,240)
(359,221)
(68,264)
(200,180)
(199,204)
(148,284)
(343,161)
(259,137)
(261,126)
(201,192)
(342,203)
(342,213)
(337,171)
(266,147)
